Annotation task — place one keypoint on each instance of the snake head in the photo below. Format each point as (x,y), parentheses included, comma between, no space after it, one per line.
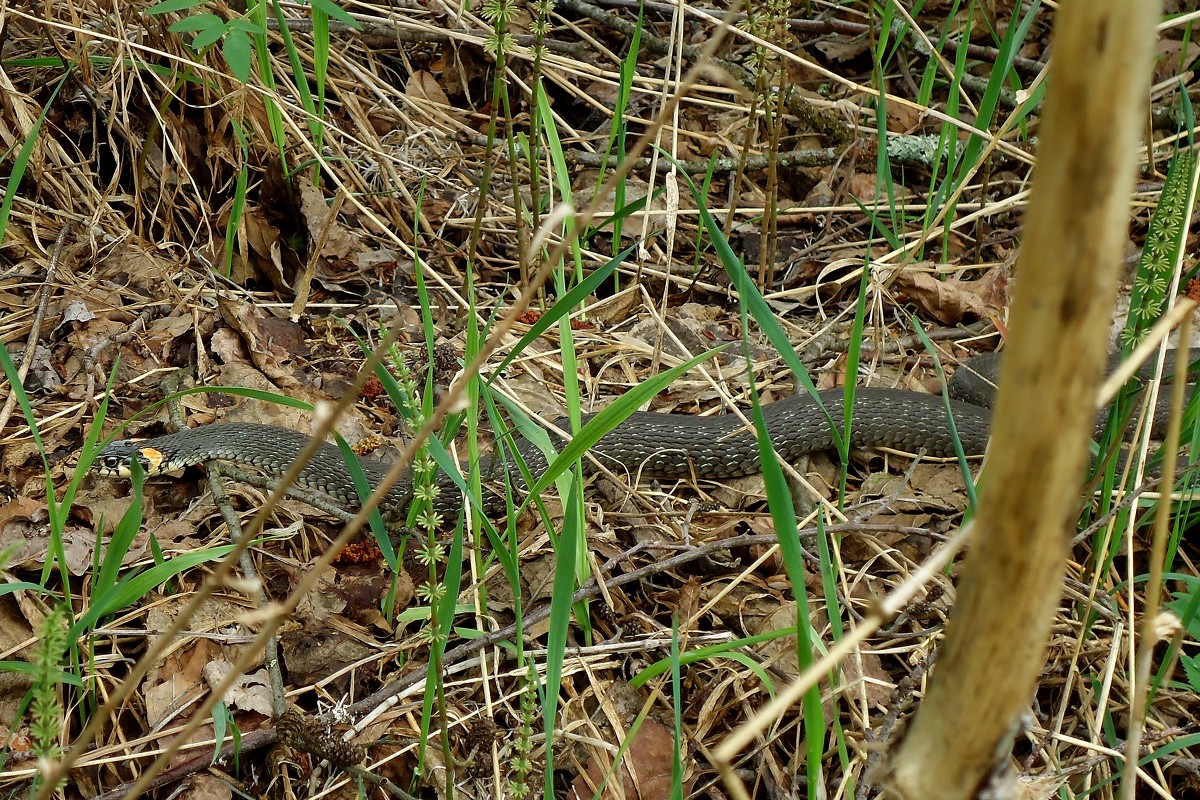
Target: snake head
(113,460)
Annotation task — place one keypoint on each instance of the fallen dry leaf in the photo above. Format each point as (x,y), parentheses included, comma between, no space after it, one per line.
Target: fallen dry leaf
(251,692)
(313,653)
(422,85)
(645,772)
(271,342)
(337,241)
(948,300)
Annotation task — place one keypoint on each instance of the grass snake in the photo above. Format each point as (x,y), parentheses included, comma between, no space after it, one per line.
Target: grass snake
(647,444)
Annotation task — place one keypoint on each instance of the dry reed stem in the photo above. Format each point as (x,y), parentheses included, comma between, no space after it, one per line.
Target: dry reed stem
(1068,272)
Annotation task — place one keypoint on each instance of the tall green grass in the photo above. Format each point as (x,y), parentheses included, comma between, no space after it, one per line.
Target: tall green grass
(245,48)
(1155,281)
(63,674)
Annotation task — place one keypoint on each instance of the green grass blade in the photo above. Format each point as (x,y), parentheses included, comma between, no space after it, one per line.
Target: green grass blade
(783,515)
(364,489)
(563,307)
(560,621)
(757,306)
(133,589)
(106,578)
(963,465)
(26,668)
(238,207)
(611,416)
(723,650)
(21,162)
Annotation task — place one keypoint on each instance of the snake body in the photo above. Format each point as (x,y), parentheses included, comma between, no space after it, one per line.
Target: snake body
(266,447)
(646,444)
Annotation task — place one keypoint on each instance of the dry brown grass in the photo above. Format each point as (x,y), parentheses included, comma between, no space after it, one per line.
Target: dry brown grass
(139,156)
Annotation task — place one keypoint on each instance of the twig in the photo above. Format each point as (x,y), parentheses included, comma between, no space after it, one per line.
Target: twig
(793,158)
(39,318)
(380,35)
(1011,581)
(216,485)
(822,121)
(818,27)
(381,698)
(222,753)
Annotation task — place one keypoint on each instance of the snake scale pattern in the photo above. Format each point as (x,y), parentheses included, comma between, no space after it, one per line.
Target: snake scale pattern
(647,444)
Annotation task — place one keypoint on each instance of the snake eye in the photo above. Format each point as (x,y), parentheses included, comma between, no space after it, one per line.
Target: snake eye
(112,462)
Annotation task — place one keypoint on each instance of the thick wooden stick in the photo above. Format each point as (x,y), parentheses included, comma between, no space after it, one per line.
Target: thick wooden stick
(1067,278)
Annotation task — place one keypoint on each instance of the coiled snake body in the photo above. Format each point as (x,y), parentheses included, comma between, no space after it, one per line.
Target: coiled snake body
(647,444)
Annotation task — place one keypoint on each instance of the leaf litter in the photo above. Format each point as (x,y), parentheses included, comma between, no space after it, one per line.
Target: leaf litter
(144,292)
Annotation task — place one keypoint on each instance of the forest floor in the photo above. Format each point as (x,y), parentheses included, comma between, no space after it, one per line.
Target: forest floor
(182,212)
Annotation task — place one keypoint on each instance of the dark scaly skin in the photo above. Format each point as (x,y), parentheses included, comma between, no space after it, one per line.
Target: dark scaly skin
(715,447)
(647,444)
(267,447)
